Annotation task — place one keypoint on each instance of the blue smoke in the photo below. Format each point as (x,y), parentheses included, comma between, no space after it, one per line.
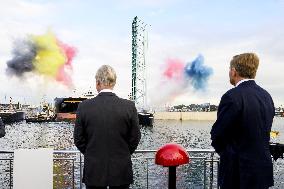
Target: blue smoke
(198,73)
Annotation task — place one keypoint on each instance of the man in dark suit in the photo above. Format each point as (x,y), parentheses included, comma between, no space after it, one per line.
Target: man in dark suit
(107,133)
(241,132)
(2,128)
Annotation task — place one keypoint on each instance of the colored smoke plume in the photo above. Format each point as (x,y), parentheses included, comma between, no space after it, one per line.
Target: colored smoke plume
(180,78)
(174,69)
(44,55)
(198,73)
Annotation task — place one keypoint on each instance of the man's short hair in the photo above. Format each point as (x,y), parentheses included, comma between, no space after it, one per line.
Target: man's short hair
(246,64)
(106,76)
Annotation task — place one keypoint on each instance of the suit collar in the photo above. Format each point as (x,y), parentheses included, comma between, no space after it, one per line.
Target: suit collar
(105,90)
(243,80)
(106,94)
(246,82)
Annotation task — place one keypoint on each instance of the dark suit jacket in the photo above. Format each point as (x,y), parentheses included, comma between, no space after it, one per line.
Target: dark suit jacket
(107,133)
(2,128)
(241,137)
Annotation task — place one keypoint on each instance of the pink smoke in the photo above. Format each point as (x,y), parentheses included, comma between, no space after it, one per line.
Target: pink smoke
(63,75)
(174,69)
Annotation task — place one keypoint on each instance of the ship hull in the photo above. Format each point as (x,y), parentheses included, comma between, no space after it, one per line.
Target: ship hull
(145,119)
(9,118)
(69,117)
(65,108)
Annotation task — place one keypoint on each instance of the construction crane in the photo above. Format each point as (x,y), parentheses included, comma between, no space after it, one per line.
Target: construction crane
(138,86)
(139,47)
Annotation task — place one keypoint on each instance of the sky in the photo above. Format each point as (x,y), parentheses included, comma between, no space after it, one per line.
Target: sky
(177,29)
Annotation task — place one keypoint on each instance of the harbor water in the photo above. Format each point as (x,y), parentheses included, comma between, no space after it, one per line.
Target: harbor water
(189,134)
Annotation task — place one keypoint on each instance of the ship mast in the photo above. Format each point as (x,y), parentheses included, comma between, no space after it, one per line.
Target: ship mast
(139,47)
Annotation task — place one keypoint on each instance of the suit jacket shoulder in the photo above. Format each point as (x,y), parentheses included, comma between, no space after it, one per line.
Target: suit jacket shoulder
(128,102)
(85,102)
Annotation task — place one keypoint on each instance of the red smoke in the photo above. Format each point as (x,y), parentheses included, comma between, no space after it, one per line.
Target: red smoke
(70,53)
(174,69)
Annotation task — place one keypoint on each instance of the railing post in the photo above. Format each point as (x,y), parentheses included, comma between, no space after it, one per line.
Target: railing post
(73,175)
(10,165)
(80,170)
(147,173)
(218,165)
(204,173)
(211,176)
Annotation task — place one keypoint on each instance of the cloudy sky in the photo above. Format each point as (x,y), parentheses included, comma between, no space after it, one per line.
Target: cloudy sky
(179,29)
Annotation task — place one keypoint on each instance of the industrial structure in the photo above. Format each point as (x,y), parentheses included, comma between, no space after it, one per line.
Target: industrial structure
(139,47)
(138,86)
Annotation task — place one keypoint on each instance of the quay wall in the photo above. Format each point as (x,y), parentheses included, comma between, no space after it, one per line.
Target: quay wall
(201,116)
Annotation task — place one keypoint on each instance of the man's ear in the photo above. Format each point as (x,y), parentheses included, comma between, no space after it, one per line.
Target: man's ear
(234,72)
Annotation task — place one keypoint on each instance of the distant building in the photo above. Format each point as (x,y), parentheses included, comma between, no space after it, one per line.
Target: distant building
(205,107)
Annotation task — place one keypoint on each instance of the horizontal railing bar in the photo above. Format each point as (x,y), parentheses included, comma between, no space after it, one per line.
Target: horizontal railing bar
(206,158)
(203,158)
(215,160)
(188,150)
(63,159)
(53,159)
(142,158)
(137,151)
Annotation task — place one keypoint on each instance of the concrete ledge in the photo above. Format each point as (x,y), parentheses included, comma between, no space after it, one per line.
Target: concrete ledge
(202,116)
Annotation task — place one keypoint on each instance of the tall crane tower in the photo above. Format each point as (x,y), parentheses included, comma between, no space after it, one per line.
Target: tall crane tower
(139,46)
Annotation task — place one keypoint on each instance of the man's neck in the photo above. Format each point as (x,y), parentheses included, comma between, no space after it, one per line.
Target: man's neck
(242,80)
(106,90)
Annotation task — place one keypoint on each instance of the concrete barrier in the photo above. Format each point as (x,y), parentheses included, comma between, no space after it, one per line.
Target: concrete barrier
(202,116)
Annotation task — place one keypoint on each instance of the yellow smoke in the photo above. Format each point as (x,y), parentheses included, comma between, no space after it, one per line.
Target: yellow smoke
(274,134)
(49,56)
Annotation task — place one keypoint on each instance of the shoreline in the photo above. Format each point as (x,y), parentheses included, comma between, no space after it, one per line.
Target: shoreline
(200,116)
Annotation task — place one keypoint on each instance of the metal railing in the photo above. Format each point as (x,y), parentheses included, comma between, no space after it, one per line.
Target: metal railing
(68,170)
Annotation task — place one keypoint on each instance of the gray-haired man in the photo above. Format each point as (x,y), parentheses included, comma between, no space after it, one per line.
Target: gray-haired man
(107,133)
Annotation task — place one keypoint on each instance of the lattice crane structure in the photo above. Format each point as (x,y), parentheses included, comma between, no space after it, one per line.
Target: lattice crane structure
(139,47)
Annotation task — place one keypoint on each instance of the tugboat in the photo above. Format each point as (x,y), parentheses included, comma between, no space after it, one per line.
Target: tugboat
(43,113)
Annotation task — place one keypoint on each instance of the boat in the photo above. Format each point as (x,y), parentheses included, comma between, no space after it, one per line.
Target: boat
(65,108)
(145,118)
(9,116)
(11,113)
(279,113)
(44,115)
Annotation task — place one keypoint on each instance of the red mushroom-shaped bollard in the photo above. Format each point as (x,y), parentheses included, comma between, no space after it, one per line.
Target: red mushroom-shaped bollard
(172,155)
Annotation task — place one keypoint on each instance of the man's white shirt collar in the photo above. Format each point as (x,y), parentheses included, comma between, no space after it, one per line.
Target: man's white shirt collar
(106,91)
(243,80)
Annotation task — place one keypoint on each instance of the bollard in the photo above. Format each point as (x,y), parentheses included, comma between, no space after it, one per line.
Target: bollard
(172,155)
